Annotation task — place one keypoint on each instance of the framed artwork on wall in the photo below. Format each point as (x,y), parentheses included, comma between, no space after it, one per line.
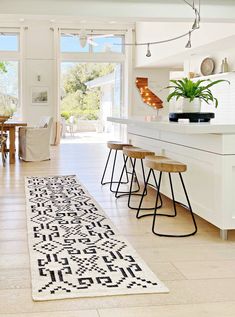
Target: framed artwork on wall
(39,96)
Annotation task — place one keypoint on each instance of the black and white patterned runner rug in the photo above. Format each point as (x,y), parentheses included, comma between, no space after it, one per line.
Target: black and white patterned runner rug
(75,251)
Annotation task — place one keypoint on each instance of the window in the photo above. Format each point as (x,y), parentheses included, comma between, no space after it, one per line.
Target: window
(108,44)
(71,43)
(9,91)
(87,42)
(9,42)
(91,91)
(92,69)
(9,71)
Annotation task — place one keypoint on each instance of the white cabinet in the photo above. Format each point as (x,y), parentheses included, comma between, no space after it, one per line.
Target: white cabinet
(210,159)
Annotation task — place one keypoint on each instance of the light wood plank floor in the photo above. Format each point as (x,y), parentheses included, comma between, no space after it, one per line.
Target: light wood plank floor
(199,270)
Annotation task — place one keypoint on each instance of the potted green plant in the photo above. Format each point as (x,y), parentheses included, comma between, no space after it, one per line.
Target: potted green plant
(193,92)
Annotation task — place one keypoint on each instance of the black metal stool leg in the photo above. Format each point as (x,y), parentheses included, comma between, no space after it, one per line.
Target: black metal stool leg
(173,196)
(107,161)
(133,193)
(144,193)
(135,177)
(120,179)
(155,210)
(174,204)
(156,185)
(142,197)
(143,172)
(119,193)
(114,163)
(127,177)
(189,205)
(111,182)
(131,184)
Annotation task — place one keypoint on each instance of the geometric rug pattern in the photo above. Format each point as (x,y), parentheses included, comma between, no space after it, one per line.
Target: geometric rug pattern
(75,250)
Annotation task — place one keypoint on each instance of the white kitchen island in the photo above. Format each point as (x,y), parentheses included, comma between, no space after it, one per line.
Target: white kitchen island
(208,149)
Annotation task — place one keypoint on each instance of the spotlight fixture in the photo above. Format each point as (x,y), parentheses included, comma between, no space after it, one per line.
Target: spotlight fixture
(189,44)
(148,54)
(195,6)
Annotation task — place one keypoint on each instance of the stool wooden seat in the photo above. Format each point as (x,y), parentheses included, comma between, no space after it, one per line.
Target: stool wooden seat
(136,152)
(117,145)
(167,165)
(164,164)
(114,146)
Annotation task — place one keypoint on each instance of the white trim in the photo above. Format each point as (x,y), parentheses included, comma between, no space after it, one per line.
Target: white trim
(9,29)
(57,56)
(20,70)
(94,31)
(93,57)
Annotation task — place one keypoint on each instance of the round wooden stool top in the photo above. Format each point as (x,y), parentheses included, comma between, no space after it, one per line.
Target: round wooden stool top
(136,152)
(164,164)
(116,145)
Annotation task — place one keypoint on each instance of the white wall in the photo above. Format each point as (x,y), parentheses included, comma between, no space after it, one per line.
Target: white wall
(38,61)
(157,80)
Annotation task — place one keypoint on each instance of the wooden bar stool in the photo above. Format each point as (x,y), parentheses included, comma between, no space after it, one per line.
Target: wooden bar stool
(114,146)
(133,153)
(169,166)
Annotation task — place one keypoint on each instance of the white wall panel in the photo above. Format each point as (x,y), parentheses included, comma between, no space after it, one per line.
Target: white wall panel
(158,79)
(39,42)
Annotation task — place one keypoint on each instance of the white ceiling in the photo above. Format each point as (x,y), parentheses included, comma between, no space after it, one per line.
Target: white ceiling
(122,10)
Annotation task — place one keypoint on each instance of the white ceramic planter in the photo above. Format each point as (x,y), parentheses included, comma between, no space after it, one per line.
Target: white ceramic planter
(193,106)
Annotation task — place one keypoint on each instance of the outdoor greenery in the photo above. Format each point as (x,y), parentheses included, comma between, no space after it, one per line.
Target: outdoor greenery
(79,100)
(187,88)
(3,68)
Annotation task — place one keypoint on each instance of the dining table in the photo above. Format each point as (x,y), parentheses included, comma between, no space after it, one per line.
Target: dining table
(11,127)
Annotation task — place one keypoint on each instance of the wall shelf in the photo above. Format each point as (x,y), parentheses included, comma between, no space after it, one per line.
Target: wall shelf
(213,75)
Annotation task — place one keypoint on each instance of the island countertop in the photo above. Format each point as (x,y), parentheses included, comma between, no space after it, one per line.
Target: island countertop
(183,126)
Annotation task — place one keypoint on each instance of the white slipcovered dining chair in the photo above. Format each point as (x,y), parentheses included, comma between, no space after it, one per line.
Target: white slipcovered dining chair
(34,142)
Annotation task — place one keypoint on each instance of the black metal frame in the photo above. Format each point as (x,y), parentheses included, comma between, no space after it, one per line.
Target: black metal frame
(134,192)
(134,177)
(155,214)
(111,181)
